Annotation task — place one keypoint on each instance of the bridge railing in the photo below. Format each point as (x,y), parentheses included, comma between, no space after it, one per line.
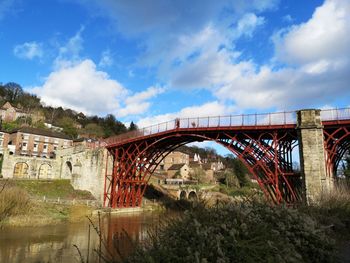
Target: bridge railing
(335,114)
(279,118)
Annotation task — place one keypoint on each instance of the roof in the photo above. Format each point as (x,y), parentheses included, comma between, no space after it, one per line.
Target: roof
(176,166)
(43,132)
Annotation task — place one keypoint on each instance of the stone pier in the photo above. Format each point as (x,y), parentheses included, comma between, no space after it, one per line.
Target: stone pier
(312,155)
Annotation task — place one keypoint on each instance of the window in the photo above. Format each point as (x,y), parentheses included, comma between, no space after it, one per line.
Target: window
(35,147)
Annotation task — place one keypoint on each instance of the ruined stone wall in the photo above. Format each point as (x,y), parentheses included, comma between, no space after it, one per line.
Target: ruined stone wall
(84,167)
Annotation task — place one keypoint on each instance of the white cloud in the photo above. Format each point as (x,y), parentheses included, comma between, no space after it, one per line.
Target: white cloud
(28,50)
(320,68)
(106,59)
(248,24)
(69,53)
(138,103)
(83,88)
(324,37)
(208,109)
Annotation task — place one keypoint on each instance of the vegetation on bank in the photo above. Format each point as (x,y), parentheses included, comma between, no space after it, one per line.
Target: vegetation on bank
(18,206)
(251,231)
(51,189)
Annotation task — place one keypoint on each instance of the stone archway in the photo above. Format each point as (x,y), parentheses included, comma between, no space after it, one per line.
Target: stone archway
(183,195)
(45,171)
(21,170)
(192,196)
(68,170)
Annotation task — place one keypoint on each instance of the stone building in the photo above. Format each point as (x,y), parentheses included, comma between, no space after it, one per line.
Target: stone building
(180,171)
(10,113)
(173,158)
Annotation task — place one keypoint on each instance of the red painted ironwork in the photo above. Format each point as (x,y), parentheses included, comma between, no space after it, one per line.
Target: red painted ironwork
(263,142)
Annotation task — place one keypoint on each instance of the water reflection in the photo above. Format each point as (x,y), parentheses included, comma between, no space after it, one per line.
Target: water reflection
(55,243)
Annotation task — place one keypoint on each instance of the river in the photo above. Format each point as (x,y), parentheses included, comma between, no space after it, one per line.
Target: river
(55,243)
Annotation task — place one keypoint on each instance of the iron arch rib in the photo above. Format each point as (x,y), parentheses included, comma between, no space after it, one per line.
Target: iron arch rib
(266,154)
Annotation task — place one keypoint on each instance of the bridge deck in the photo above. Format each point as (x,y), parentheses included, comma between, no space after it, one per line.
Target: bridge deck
(246,122)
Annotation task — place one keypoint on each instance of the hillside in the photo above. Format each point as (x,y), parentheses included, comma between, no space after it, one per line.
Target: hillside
(73,123)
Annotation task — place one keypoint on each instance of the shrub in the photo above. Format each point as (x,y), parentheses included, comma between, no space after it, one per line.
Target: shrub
(251,232)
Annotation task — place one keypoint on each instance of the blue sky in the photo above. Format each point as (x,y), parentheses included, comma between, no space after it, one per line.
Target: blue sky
(153,60)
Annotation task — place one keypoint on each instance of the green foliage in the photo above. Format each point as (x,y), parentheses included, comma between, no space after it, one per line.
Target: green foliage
(9,126)
(239,169)
(68,126)
(93,130)
(52,189)
(24,120)
(231,179)
(250,232)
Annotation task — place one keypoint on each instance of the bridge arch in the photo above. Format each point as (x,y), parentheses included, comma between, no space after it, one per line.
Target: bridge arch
(337,144)
(267,155)
(183,195)
(192,196)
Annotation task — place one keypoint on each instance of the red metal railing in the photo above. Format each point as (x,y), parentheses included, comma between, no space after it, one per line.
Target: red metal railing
(267,119)
(279,118)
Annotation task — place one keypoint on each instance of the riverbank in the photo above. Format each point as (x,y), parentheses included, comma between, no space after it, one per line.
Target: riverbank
(26,203)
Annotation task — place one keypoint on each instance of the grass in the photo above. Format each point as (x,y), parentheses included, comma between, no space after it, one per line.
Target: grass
(51,189)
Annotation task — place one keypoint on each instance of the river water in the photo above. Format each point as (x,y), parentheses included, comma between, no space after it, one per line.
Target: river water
(56,243)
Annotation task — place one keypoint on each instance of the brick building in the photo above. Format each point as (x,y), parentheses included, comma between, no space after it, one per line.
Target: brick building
(35,142)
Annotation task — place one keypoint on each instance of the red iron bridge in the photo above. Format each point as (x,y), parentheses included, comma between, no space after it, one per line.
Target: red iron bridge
(263,142)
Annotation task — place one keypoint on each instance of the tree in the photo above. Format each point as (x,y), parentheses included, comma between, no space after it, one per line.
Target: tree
(239,169)
(113,127)
(132,126)
(12,91)
(68,126)
(346,166)
(93,130)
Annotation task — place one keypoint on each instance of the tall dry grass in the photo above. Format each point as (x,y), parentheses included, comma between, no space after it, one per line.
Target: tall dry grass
(333,209)
(13,201)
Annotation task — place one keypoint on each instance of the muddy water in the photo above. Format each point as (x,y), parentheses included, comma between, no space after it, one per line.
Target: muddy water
(56,243)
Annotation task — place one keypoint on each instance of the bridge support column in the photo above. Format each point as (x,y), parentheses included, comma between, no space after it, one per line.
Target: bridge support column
(312,154)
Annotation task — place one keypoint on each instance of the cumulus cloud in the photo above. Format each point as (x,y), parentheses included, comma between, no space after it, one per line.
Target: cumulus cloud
(138,103)
(28,50)
(208,109)
(324,37)
(83,88)
(313,69)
